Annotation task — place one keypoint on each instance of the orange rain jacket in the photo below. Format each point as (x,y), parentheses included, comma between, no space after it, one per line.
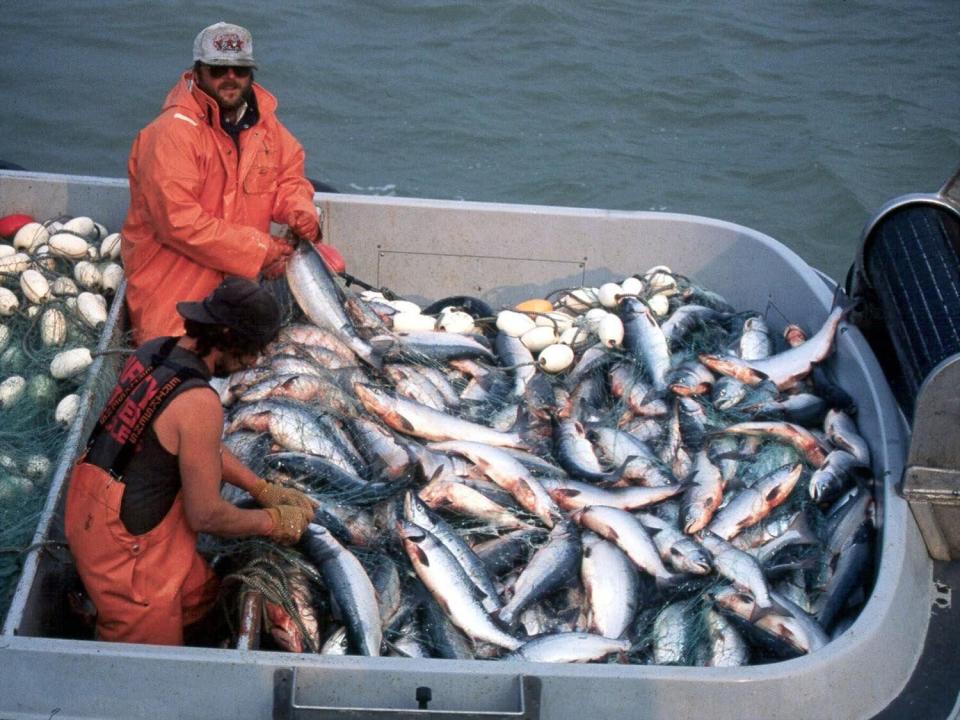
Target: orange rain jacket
(197,211)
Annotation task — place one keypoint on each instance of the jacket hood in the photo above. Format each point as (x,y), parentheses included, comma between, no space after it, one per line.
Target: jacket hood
(187,96)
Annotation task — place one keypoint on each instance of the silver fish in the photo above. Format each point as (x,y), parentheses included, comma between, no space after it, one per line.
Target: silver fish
(430,345)
(576,455)
(739,568)
(551,568)
(685,318)
(419,514)
(611,583)
(753,504)
(703,495)
(838,471)
(317,294)
(671,636)
(291,426)
(620,449)
(515,355)
(412,385)
(725,646)
(338,643)
(842,432)
(755,340)
(350,587)
(418,420)
(569,648)
(677,550)
(509,474)
(572,495)
(446,580)
(626,532)
(727,393)
(643,337)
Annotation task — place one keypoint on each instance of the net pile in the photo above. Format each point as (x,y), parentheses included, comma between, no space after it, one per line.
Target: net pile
(57,281)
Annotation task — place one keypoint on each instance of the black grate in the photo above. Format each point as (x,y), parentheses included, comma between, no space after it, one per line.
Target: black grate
(911,262)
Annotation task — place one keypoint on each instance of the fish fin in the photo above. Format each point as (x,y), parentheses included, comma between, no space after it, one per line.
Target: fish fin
(801,525)
(760,378)
(404,423)
(776,570)
(844,301)
(772,494)
(444,605)
(759,613)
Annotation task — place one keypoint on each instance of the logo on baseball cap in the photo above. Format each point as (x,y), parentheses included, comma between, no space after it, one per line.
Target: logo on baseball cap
(224,44)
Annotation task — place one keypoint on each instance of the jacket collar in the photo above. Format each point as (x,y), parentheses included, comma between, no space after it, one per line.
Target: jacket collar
(187,96)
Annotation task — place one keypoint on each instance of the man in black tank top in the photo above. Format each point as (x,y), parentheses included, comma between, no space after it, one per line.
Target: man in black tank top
(150,478)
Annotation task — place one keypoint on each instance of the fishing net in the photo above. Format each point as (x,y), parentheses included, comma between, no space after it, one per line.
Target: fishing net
(54,309)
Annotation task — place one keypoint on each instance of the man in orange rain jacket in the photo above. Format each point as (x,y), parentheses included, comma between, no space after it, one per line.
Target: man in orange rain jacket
(206,179)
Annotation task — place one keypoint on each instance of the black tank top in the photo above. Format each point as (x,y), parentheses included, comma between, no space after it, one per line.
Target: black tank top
(150,473)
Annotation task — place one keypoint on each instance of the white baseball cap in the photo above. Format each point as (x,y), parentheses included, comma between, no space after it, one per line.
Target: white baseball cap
(224,44)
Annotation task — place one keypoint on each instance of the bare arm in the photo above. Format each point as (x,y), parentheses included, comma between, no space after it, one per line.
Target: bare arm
(235,472)
(197,418)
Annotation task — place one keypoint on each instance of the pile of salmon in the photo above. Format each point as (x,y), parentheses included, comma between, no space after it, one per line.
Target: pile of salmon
(636,473)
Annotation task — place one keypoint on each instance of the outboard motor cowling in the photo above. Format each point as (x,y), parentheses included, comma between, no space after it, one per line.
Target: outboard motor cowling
(907,282)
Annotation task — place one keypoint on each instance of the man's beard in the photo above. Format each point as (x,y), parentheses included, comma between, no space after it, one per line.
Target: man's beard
(244,97)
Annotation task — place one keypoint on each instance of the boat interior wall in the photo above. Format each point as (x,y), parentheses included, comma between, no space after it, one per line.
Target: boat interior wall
(45,196)
(534,251)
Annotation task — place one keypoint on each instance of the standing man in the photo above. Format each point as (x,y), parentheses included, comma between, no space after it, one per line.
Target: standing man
(206,179)
(150,478)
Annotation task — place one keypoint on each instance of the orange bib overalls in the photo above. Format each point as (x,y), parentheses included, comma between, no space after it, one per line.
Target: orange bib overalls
(146,587)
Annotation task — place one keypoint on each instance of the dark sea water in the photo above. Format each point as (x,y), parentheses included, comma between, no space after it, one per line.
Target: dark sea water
(798,119)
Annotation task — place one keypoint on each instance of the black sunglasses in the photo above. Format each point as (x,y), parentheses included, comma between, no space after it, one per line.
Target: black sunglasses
(218,71)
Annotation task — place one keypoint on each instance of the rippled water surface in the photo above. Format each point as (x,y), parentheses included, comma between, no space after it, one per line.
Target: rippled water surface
(796,119)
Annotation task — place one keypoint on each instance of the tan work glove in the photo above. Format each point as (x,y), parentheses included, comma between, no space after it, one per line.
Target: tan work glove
(270,494)
(289,522)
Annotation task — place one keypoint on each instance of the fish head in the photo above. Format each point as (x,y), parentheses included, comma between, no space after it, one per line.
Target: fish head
(413,537)
(727,393)
(410,532)
(413,506)
(698,563)
(794,335)
(283,629)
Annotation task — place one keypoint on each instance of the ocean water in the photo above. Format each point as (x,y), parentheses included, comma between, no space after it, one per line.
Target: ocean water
(797,119)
